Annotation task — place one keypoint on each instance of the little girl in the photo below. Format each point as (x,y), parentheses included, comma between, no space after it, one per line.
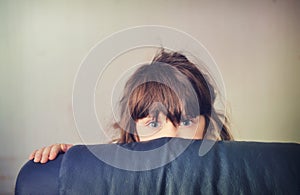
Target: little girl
(170,97)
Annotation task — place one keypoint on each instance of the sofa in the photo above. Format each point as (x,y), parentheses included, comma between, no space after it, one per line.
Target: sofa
(167,166)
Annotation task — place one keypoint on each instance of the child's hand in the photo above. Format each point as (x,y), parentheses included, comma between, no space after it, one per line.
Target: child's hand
(48,153)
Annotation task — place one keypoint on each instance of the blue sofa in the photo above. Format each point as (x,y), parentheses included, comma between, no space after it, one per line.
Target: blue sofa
(167,166)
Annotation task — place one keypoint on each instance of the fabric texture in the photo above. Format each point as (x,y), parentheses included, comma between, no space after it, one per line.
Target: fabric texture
(228,168)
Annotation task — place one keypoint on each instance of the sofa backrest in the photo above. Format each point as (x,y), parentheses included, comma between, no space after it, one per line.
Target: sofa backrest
(156,167)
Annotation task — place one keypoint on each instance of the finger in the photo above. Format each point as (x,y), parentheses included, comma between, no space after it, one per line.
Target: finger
(45,154)
(38,155)
(31,156)
(55,149)
(65,147)
(69,146)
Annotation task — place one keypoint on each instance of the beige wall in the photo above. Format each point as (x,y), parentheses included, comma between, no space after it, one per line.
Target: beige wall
(255,43)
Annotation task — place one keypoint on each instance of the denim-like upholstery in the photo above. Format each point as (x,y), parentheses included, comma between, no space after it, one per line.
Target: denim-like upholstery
(228,168)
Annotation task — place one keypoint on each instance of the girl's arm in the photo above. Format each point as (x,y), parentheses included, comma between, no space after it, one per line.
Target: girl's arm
(48,153)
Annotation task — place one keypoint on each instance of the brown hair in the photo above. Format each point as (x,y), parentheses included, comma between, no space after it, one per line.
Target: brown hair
(173,85)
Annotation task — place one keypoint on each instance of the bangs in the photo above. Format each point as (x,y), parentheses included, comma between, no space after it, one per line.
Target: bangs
(152,98)
(172,95)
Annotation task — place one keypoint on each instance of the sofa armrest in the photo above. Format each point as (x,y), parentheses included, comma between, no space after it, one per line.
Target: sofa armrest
(37,178)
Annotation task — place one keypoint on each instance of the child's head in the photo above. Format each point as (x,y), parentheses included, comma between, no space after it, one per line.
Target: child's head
(171,94)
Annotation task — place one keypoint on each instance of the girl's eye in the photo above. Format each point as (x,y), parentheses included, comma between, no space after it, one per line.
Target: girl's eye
(153,124)
(187,122)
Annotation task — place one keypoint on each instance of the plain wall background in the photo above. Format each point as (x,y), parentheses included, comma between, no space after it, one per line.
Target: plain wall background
(256,45)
